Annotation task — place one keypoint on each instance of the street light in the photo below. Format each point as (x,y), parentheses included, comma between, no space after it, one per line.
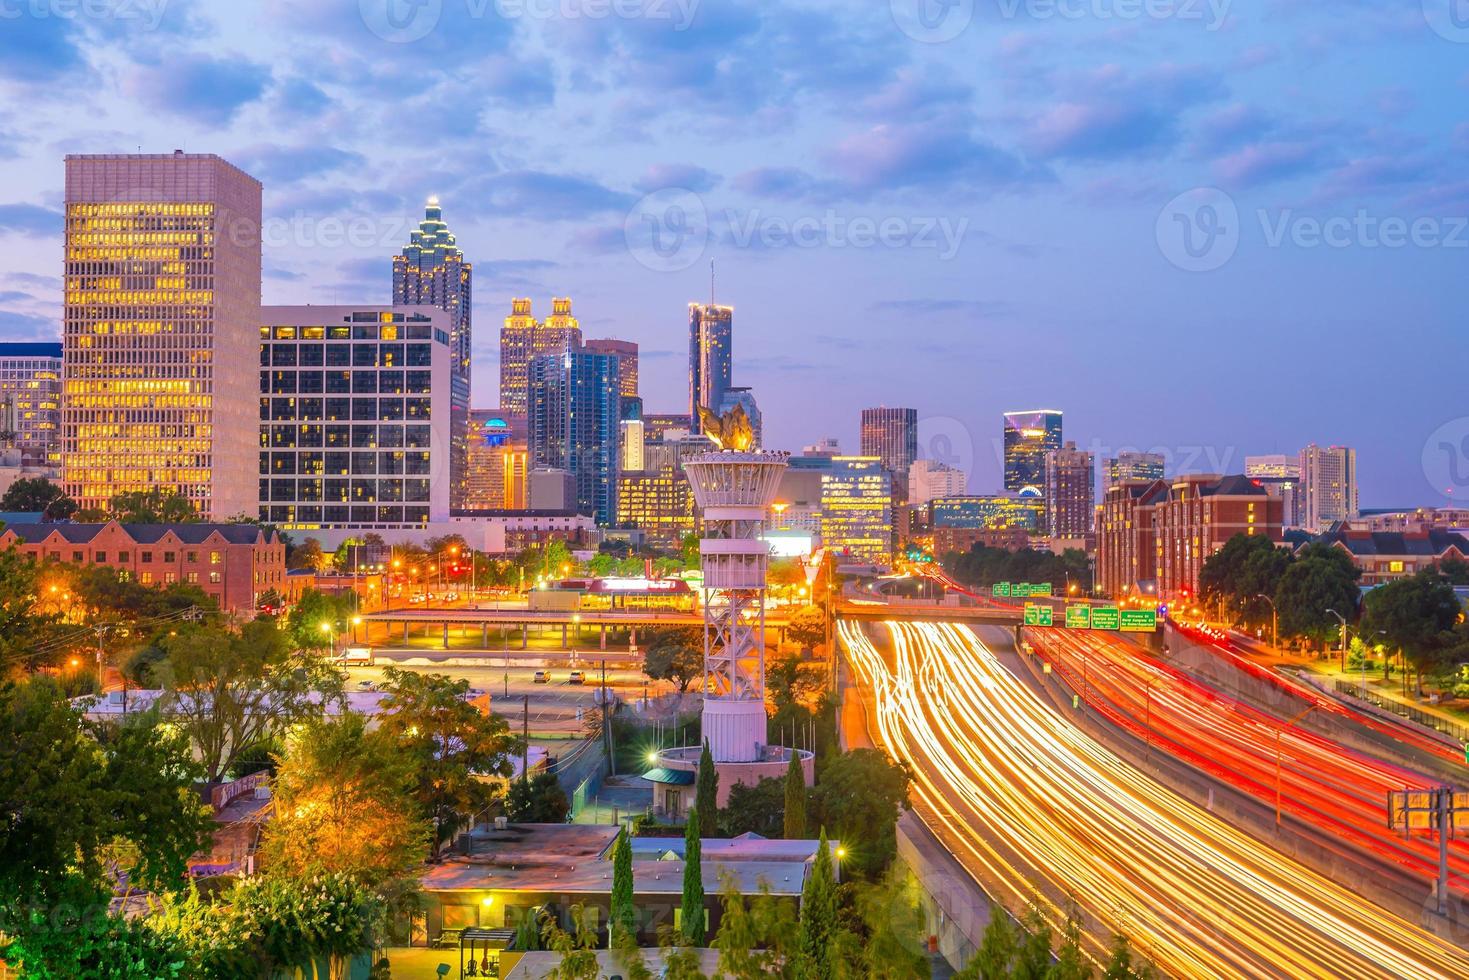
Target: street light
(1274,621)
(327,629)
(1278,732)
(1343,620)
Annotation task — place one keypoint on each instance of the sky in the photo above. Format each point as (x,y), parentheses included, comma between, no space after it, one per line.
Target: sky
(1211,228)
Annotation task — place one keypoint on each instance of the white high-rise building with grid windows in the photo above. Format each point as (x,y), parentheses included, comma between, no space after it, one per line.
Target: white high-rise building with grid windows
(161,328)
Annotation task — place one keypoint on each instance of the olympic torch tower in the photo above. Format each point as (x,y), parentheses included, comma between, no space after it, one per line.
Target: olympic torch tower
(734,490)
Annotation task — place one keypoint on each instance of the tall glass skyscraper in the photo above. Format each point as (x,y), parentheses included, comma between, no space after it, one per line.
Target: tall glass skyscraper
(523,339)
(431,271)
(1028,437)
(891,434)
(161,330)
(574,425)
(711,357)
(30,402)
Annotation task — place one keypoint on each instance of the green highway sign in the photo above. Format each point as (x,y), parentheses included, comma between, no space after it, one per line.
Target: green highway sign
(1038,615)
(1020,590)
(1078,617)
(1000,589)
(1139,620)
(1105,618)
(1041,588)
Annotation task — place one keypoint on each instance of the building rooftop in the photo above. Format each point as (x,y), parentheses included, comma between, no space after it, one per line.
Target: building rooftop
(1430,543)
(24,349)
(595,877)
(191,533)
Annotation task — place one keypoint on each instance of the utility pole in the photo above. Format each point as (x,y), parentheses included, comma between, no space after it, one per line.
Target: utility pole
(607,723)
(525,739)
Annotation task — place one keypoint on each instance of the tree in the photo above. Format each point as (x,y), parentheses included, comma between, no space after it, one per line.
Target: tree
(706,786)
(1033,952)
(795,799)
(819,915)
(758,809)
(1453,568)
(1247,566)
(691,908)
(28,629)
(1120,965)
(675,654)
(152,506)
(315,610)
(758,938)
(453,742)
(36,494)
(1321,578)
(537,799)
(77,797)
(229,690)
(807,626)
(859,796)
(892,922)
(792,682)
(307,554)
(1417,615)
(623,918)
(344,804)
(997,948)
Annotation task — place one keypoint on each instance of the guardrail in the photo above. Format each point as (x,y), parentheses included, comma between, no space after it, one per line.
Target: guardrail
(1425,718)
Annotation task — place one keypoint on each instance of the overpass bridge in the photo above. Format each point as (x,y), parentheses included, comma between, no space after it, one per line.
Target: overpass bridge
(431,621)
(909,610)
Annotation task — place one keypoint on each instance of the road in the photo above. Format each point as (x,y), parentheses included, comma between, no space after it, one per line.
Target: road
(1341,792)
(1024,797)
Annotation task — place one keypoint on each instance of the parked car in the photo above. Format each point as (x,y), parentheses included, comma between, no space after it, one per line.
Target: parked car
(542,677)
(577,677)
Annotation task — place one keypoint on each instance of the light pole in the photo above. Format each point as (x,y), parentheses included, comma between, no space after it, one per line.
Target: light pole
(1278,732)
(1274,621)
(1363,684)
(331,637)
(1343,620)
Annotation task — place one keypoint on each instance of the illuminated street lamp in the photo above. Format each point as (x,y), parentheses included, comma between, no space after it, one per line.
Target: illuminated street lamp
(331,636)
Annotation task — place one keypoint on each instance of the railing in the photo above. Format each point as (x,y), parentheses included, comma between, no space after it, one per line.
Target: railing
(1425,718)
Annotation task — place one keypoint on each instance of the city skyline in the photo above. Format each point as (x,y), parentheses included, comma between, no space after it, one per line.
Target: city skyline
(1070,197)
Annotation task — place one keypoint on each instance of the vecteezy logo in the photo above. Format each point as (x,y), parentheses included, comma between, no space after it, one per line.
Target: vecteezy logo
(1198,231)
(667,230)
(1448,18)
(400,21)
(947,441)
(1446,459)
(932,21)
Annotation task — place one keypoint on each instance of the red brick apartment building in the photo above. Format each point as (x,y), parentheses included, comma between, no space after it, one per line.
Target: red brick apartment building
(234,563)
(1153,537)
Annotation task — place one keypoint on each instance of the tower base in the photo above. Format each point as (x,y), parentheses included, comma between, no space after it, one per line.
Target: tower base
(735,730)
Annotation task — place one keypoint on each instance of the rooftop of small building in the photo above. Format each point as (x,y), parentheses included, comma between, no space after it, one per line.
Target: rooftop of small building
(187,533)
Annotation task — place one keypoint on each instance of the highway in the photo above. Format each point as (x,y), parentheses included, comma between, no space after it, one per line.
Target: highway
(1024,798)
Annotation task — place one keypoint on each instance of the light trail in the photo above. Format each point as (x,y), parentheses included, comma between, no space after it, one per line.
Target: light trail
(1030,800)
(1340,791)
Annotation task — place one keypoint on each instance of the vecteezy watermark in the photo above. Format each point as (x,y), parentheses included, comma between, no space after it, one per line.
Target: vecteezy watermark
(932,21)
(1211,13)
(668,230)
(302,230)
(1446,459)
(1198,230)
(1448,18)
(946,441)
(405,21)
(147,12)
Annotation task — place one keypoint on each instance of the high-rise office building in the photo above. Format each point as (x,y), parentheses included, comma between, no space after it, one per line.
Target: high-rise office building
(523,339)
(161,327)
(431,271)
(498,461)
(626,353)
(1328,490)
(1028,437)
(744,398)
(891,434)
(574,425)
(929,478)
(1280,475)
(711,357)
(1128,467)
(354,427)
(1070,492)
(857,508)
(30,402)
(657,499)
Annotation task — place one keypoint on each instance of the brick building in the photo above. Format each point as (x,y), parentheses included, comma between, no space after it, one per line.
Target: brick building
(1154,536)
(1384,556)
(234,563)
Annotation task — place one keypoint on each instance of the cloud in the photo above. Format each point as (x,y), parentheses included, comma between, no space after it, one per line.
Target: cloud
(205,90)
(543,196)
(895,155)
(1263,163)
(26,326)
(788,183)
(31,220)
(271,163)
(686,176)
(37,50)
(933,307)
(516,82)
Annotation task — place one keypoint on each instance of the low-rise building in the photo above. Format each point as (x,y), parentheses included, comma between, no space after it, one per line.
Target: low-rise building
(1385,556)
(233,563)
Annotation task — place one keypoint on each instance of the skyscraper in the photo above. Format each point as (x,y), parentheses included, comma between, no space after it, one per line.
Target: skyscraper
(498,461)
(1028,437)
(431,271)
(162,327)
(1280,475)
(627,361)
(523,339)
(929,478)
(891,434)
(1070,492)
(573,425)
(1328,490)
(30,402)
(1132,466)
(711,357)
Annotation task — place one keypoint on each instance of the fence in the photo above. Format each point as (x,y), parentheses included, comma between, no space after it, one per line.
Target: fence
(1425,718)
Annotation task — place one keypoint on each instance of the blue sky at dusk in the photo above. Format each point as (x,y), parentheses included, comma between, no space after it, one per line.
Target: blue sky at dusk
(1217,228)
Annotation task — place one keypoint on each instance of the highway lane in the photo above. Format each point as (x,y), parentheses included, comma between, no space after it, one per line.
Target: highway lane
(1340,791)
(1026,798)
